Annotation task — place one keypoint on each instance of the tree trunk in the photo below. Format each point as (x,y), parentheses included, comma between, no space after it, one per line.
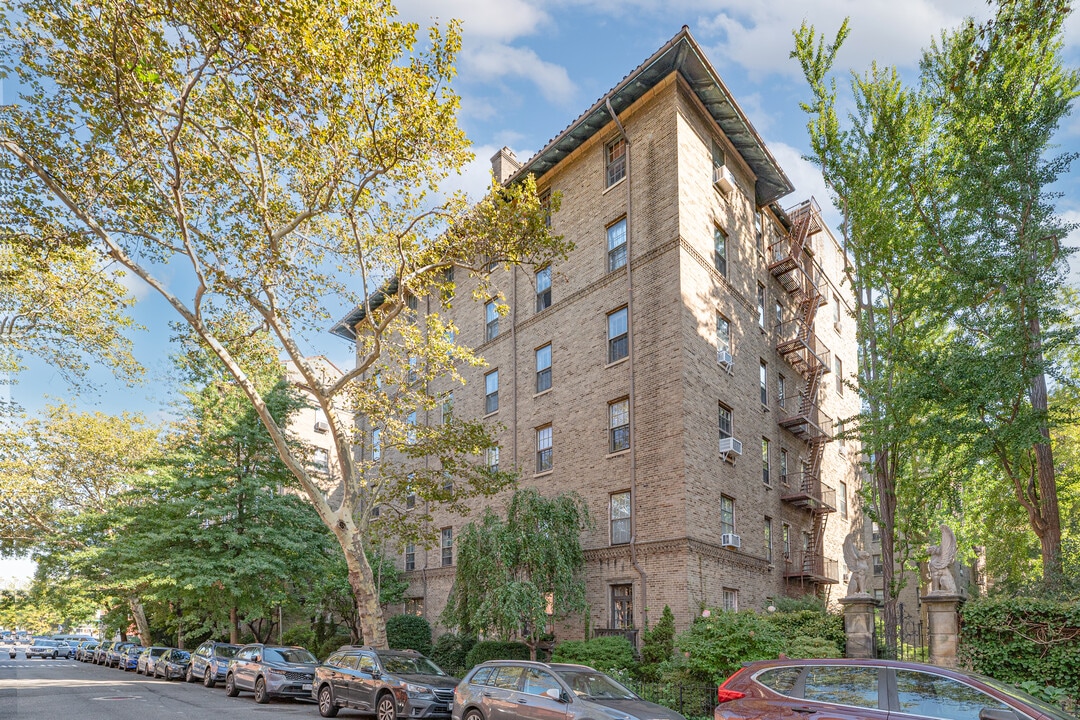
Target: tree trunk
(1047,524)
(362,582)
(234,626)
(139,614)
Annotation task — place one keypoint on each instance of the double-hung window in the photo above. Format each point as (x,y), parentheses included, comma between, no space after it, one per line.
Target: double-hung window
(619,425)
(543,289)
(843,500)
(618,335)
(765,475)
(543,368)
(446,544)
(727,515)
(781,390)
(543,449)
(725,422)
(720,251)
(768,538)
(761,306)
(493,458)
(839,370)
(616,245)
(622,606)
(376,444)
(491,321)
(620,518)
(615,161)
(763,377)
(783,467)
(491,392)
(410,557)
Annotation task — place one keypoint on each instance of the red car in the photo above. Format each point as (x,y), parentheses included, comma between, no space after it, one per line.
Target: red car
(871,690)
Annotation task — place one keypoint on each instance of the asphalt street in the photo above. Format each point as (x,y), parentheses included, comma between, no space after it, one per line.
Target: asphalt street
(61,689)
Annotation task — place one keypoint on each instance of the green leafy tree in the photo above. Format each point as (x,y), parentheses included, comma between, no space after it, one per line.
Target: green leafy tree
(657,646)
(409,632)
(717,644)
(516,576)
(281,159)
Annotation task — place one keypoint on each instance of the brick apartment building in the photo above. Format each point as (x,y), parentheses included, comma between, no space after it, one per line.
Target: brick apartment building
(678,370)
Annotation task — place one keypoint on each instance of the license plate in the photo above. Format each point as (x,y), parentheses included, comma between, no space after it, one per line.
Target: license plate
(307,686)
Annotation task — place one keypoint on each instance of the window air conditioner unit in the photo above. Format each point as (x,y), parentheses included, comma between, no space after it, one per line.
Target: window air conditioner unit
(723,357)
(723,179)
(322,426)
(731,540)
(730,445)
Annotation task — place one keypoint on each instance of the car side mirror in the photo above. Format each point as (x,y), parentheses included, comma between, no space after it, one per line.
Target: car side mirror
(256,658)
(375,675)
(997,714)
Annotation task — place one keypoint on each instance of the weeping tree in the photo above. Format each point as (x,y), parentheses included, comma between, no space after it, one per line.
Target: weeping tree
(516,576)
(280,161)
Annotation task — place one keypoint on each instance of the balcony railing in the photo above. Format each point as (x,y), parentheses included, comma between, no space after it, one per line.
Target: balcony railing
(807,491)
(628,633)
(811,566)
(803,350)
(809,424)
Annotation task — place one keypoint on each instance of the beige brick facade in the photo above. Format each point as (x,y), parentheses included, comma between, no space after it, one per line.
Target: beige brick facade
(673,210)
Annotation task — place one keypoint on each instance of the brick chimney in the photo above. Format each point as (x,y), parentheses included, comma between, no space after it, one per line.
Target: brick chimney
(504,164)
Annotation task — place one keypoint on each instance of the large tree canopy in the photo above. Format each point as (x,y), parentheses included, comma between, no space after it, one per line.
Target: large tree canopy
(279,160)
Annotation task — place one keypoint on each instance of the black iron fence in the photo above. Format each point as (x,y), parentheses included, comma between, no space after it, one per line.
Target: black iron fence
(902,639)
(690,701)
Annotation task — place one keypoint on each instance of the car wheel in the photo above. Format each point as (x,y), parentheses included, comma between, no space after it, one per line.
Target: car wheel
(230,686)
(261,696)
(385,709)
(208,679)
(188,677)
(474,715)
(327,708)
(54,655)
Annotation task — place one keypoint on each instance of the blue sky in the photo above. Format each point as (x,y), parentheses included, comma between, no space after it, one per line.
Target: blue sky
(528,68)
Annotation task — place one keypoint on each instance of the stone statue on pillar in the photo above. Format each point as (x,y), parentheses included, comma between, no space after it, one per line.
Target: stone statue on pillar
(858,562)
(942,558)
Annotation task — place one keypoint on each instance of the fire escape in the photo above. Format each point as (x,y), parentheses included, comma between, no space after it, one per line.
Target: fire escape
(795,269)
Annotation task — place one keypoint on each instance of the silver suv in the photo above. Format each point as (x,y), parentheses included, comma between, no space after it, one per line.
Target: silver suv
(271,671)
(43,648)
(521,690)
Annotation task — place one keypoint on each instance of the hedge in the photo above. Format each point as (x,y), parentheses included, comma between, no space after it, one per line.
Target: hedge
(409,632)
(495,650)
(602,653)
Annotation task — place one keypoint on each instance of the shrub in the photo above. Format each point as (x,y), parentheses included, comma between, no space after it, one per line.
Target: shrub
(450,653)
(299,635)
(1022,639)
(409,632)
(657,646)
(802,646)
(717,645)
(602,653)
(495,650)
(826,629)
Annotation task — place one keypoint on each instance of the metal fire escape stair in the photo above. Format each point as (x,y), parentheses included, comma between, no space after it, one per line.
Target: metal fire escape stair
(797,342)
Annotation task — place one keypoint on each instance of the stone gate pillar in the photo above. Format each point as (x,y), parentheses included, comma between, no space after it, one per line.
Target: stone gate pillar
(943,627)
(859,625)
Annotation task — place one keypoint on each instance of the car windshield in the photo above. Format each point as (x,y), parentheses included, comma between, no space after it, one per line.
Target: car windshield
(180,655)
(157,652)
(226,651)
(596,685)
(1051,711)
(289,655)
(409,665)
(135,649)
(46,643)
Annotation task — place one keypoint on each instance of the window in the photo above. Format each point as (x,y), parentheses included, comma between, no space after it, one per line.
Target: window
(491,319)
(447,407)
(543,449)
(321,459)
(759,234)
(506,677)
(720,251)
(781,390)
(622,606)
(878,566)
(838,367)
(413,606)
(543,368)
(727,515)
(717,155)
(778,314)
(731,600)
(875,532)
(412,304)
(620,518)
(765,461)
(618,339)
(763,379)
(931,695)
(410,433)
(446,544)
(616,245)
(376,444)
(842,685)
(785,539)
(448,482)
(879,594)
(410,493)
(723,334)
(619,425)
(493,459)
(615,161)
(446,290)
(491,392)
(725,422)
(843,499)
(543,289)
(761,306)
(537,682)
(410,557)
(783,466)
(545,205)
(836,312)
(768,538)
(841,446)
(414,362)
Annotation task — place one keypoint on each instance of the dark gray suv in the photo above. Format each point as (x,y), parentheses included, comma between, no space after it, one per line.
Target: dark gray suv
(388,683)
(522,690)
(271,671)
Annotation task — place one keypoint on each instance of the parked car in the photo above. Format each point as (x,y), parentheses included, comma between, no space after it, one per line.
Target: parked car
(44,648)
(389,683)
(64,648)
(871,690)
(102,652)
(148,658)
(129,658)
(85,651)
(173,665)
(210,662)
(115,653)
(271,671)
(523,690)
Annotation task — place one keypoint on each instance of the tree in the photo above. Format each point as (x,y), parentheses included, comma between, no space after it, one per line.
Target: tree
(515,577)
(279,157)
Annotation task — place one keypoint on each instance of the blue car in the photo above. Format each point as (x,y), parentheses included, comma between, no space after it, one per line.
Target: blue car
(129,658)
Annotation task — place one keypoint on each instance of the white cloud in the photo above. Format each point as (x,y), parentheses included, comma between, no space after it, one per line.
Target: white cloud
(807,180)
(500,20)
(494,60)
